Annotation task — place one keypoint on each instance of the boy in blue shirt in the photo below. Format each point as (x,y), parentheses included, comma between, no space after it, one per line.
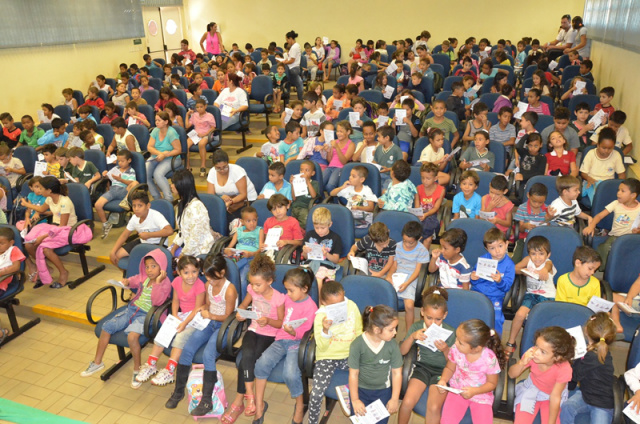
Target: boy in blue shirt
(495,241)
(56,135)
(467,203)
(292,143)
(276,184)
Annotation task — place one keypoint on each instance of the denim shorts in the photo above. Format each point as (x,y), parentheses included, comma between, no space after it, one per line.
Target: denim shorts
(410,292)
(530,300)
(115,193)
(131,320)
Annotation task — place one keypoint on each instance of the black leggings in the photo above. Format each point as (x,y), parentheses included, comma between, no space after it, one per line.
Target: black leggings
(253,345)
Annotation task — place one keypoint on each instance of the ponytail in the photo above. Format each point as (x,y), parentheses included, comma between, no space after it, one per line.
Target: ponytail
(354,69)
(378,316)
(479,334)
(495,344)
(601,330)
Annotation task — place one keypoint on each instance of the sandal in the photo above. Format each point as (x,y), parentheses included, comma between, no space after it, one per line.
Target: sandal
(55,285)
(33,276)
(3,334)
(232,415)
(509,349)
(203,172)
(250,409)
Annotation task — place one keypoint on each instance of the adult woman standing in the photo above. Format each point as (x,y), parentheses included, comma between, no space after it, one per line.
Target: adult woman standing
(164,144)
(234,97)
(231,183)
(581,43)
(194,237)
(295,53)
(213,39)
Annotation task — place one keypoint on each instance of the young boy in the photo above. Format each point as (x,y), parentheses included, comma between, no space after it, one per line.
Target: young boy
(121,181)
(410,255)
(366,148)
(322,234)
(539,272)
(386,154)
(455,103)
(495,241)
(292,143)
(581,124)
(63,160)
(498,203)
(438,120)
(359,105)
(153,289)
(585,70)
(561,123)
(407,128)
(379,250)
(452,267)
(531,213)
(359,197)
(82,171)
(467,203)
(10,133)
(301,204)
(564,210)
(292,233)
(136,97)
(606,95)
(30,134)
(401,192)
(276,184)
(504,132)
(270,151)
(195,94)
(415,83)
(150,224)
(94,99)
(10,167)
(623,139)
(56,135)
(530,161)
(10,257)
(383,115)
(579,285)
(53,167)
(246,240)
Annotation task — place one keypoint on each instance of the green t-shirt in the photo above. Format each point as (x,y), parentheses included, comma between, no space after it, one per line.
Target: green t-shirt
(433,361)
(144,301)
(303,201)
(85,174)
(447,126)
(33,139)
(388,158)
(375,368)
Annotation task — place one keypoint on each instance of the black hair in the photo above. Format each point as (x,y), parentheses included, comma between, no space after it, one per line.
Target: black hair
(187,260)
(456,237)
(214,267)
(141,195)
(330,288)
(7,233)
(499,182)
(633,184)
(53,184)
(220,156)
(379,316)
(412,229)
(401,170)
(186,186)
(278,167)
(302,278)
(538,189)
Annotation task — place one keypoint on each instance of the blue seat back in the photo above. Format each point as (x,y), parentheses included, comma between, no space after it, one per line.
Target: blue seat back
(97,158)
(141,133)
(440,70)
(549,181)
(395,221)
(485,182)
(165,207)
(475,229)
(211,96)
(148,112)
(261,87)
(489,98)
(209,81)
(528,83)
(418,96)
(606,192)
(493,118)
(95,112)
(79,195)
(342,224)
(233,275)
(138,165)
(217,212)
(564,241)
(278,283)
(448,81)
(178,70)
(529,71)
(103,95)
(343,115)
(500,153)
(106,131)
(623,266)
(443,60)
(570,72)
(156,83)
(28,156)
(418,147)
(373,177)
(293,168)
(79,96)
(443,95)
(139,252)
(184,81)
(256,56)
(486,86)
(343,79)
(257,171)
(45,126)
(155,78)
(327,93)
(64,112)
(369,291)
(374,96)
(464,305)
(633,357)
(263,212)
(544,121)
(181,95)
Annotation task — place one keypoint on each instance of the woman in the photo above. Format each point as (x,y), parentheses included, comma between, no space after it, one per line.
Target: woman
(213,39)
(230,182)
(582,44)
(295,53)
(235,98)
(164,144)
(194,237)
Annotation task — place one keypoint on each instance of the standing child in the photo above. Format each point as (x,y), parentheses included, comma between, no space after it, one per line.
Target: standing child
(430,364)
(301,204)
(498,203)
(473,365)
(467,203)
(550,371)
(121,182)
(338,155)
(452,267)
(375,362)
(204,124)
(379,250)
(280,87)
(401,192)
(276,183)
(429,198)
(564,210)
(579,285)
(246,242)
(359,197)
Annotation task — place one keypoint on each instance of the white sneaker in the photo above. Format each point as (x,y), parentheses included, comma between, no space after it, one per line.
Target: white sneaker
(163,378)
(146,372)
(135,384)
(92,369)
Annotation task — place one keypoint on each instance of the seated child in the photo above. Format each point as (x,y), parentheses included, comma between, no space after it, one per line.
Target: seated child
(134,116)
(579,285)
(339,153)
(616,122)
(438,120)
(47,110)
(539,274)
(560,159)
(478,157)
(479,122)
(270,151)
(359,106)
(601,163)
(53,167)
(336,102)
(31,216)
(65,165)
(316,148)
(314,116)
(429,198)
(606,95)
(379,250)
(467,203)
(383,115)
(564,210)
(498,203)
(529,161)
(365,149)
(292,233)
(407,128)
(56,135)
(10,257)
(386,154)
(82,171)
(504,132)
(10,166)
(531,213)
(296,116)
(329,241)
(292,143)
(359,198)
(495,241)
(276,183)
(110,113)
(448,260)
(30,133)
(455,103)
(301,204)
(10,133)
(401,192)
(122,181)
(245,242)
(93,99)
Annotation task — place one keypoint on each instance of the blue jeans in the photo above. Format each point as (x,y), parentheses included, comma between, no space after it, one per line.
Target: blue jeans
(208,338)
(576,405)
(287,349)
(156,177)
(331,178)
(294,77)
(243,267)
(368,396)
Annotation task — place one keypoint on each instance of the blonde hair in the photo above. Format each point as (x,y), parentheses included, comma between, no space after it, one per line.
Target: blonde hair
(321,216)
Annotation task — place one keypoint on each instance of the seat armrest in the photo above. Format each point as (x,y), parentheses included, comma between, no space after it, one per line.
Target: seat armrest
(588,240)
(153,318)
(511,387)
(309,357)
(219,245)
(92,298)
(221,333)
(407,367)
(284,254)
(303,350)
(606,290)
(619,387)
(499,391)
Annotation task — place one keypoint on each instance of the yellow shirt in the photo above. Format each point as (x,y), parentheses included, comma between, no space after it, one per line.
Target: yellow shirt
(336,344)
(567,291)
(53,169)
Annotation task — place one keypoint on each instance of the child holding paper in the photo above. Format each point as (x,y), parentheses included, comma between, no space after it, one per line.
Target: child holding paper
(83,172)
(531,213)
(329,241)
(601,163)
(496,285)
(478,157)
(332,341)
(296,115)
(302,203)
(204,124)
(300,314)
(315,115)
(246,241)
(453,268)
(316,147)
(359,106)
(379,250)
(386,154)
(434,152)
(406,125)
(337,102)
(366,148)
(291,231)
(276,183)
(122,180)
(428,368)
(359,198)
(496,202)
(429,199)
(290,147)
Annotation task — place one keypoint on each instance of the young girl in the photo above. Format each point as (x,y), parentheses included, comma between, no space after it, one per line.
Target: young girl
(299,306)
(535,105)
(121,97)
(473,365)
(144,84)
(69,100)
(318,49)
(316,148)
(246,240)
(594,373)
(357,54)
(337,102)
(355,76)
(110,113)
(339,153)
(332,343)
(249,71)
(134,116)
(381,82)
(280,82)
(372,357)
(560,160)
(545,388)
(41,241)
(480,122)
(541,83)
(269,305)
(570,93)
(316,87)
(429,366)
(166,96)
(188,298)
(434,152)
(174,114)
(35,198)
(429,198)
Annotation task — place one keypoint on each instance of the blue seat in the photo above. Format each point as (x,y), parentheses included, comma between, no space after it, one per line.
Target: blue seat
(257,171)
(485,181)
(151,96)
(418,96)
(138,165)
(529,71)
(157,83)
(293,168)
(489,98)
(151,324)
(157,75)
(373,96)
(548,181)
(544,121)
(327,93)
(149,113)
(103,95)
(95,112)
(443,95)
(426,87)
(591,90)
(181,95)
(141,133)
(256,56)
(589,99)
(214,140)
(395,222)
(564,241)
(211,96)
(372,181)
(343,115)
(264,213)
(493,118)
(448,81)
(500,153)
(570,72)
(97,158)
(209,81)
(106,131)
(343,79)
(64,112)
(440,70)
(28,157)
(486,86)
(443,60)
(243,128)
(262,94)
(45,126)
(180,70)
(605,193)
(475,229)
(526,84)
(79,96)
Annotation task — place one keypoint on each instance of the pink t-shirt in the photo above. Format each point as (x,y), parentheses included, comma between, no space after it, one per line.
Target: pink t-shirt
(558,373)
(474,374)
(7,259)
(356,81)
(501,212)
(203,124)
(265,308)
(335,160)
(297,310)
(290,228)
(187,300)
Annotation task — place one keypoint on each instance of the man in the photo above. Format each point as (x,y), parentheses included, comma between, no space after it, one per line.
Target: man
(565,39)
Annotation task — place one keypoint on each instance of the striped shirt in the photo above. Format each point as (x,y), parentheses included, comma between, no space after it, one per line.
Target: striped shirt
(502,136)
(525,214)
(565,214)
(452,275)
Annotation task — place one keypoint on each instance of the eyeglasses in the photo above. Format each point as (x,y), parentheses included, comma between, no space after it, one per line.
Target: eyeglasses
(222,168)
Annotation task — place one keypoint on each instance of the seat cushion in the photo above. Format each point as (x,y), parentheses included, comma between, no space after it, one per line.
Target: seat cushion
(339,378)
(61,251)
(12,290)
(113,206)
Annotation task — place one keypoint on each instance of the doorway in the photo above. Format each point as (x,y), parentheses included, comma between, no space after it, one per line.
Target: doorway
(163,28)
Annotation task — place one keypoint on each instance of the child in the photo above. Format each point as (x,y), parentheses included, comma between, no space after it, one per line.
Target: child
(69,100)
(407,128)
(438,120)
(314,116)
(616,122)
(530,161)
(579,285)
(541,83)
(594,373)
(30,133)
(479,122)
(455,103)
(386,154)
(355,76)
(10,258)
(82,171)
(415,82)
(467,69)
(383,115)
(573,88)
(93,99)
(495,241)
(430,364)
(550,371)
(123,139)
(31,216)
(280,87)
(245,242)
(338,154)
(467,203)
(276,183)
(187,301)
(498,203)
(134,116)
(292,143)
(401,192)
(56,135)
(410,255)
(527,127)
(504,132)
(296,115)
(375,362)
(121,97)
(473,365)
(606,95)
(121,182)
(359,198)
(539,272)
(270,151)
(336,102)
(365,149)
(531,213)
(454,271)
(10,133)
(49,116)
(292,233)
(478,158)
(152,289)
(10,167)
(175,82)
(221,82)
(560,159)
(74,139)
(269,304)
(585,70)
(150,224)
(601,164)
(204,125)
(136,97)
(332,343)
(301,204)
(63,160)
(53,167)
(535,105)
(429,198)
(329,241)
(194,94)
(564,210)
(379,250)
(359,106)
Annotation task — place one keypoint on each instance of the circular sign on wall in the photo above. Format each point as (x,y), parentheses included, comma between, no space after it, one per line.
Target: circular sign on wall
(153,28)
(171,27)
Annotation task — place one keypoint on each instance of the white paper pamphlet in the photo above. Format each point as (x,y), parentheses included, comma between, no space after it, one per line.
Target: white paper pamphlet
(69,177)
(40,157)
(247,314)
(360,264)
(598,304)
(39,168)
(288,112)
(391,68)
(167,331)
(377,166)
(636,222)
(41,116)
(337,104)
(450,389)
(398,279)
(267,193)
(416,211)
(337,312)
(630,412)
(433,333)
(76,142)
(198,322)
(486,268)
(273,235)
(486,215)
(628,160)
(296,323)
(581,344)
(354,117)
(117,284)
(114,172)
(387,92)
(226,111)
(368,154)
(531,274)
(454,151)
(376,411)
(522,108)
(479,162)
(580,88)
(315,254)
(299,185)
(627,309)
(193,135)
(598,119)
(400,115)
(24,232)
(382,121)
(325,40)
(553,65)
(329,136)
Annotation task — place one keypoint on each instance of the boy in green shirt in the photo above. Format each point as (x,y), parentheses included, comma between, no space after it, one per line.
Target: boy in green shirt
(83,172)
(31,133)
(386,154)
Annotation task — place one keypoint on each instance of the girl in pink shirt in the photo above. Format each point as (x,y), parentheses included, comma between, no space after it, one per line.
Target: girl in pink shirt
(497,201)
(340,153)
(300,311)
(203,124)
(355,76)
(546,387)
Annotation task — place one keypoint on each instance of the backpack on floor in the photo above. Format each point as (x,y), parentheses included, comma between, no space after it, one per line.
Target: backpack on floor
(194,392)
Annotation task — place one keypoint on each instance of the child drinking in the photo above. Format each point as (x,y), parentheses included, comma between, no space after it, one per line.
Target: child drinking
(429,198)
(379,250)
(453,269)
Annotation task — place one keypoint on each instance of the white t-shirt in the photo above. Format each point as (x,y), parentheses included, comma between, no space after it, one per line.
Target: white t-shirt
(154,221)
(623,218)
(236,173)
(234,99)
(585,52)
(14,163)
(361,198)
(295,53)
(430,155)
(121,141)
(622,136)
(64,206)
(544,288)
(566,37)
(319,51)
(367,154)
